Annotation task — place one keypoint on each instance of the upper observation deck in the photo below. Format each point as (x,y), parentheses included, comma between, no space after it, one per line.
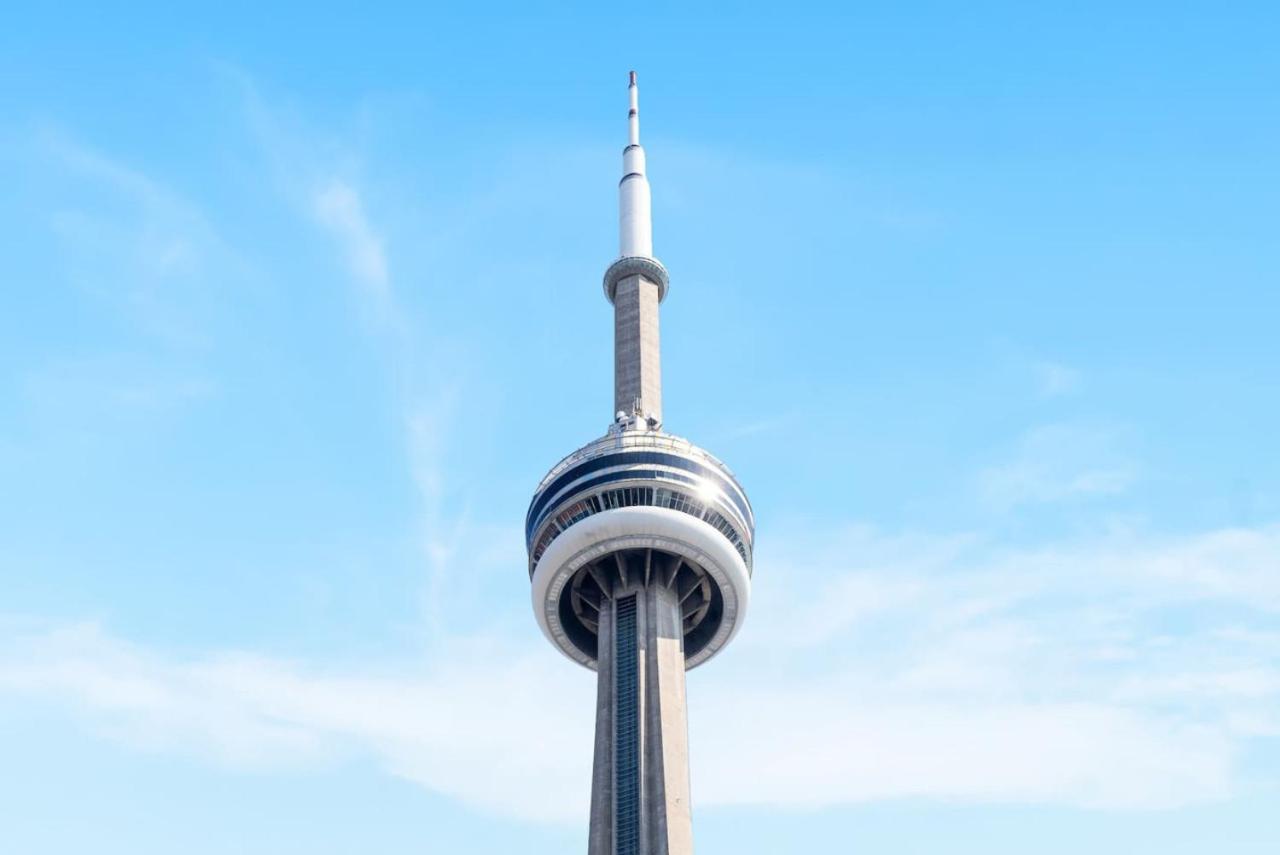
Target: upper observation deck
(629,468)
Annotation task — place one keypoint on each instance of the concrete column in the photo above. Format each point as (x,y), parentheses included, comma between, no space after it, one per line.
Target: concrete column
(637,366)
(600,836)
(662,740)
(666,771)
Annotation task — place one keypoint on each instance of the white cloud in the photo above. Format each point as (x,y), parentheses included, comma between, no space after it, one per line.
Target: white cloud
(130,248)
(338,207)
(73,393)
(476,725)
(129,239)
(1057,462)
(314,171)
(923,667)
(811,746)
(1055,380)
(1121,672)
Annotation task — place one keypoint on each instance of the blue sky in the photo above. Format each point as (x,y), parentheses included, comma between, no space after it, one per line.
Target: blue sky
(979,301)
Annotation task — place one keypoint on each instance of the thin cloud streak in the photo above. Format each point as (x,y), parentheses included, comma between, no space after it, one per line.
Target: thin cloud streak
(1055,380)
(338,207)
(971,674)
(318,181)
(446,725)
(1059,462)
(131,240)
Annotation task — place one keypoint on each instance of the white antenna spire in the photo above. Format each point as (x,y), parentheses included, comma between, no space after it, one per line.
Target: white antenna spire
(635,232)
(633,118)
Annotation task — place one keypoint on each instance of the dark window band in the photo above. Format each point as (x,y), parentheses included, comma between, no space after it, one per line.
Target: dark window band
(625,458)
(631,496)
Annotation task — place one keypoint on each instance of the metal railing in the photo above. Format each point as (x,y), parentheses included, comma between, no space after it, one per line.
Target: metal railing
(626,439)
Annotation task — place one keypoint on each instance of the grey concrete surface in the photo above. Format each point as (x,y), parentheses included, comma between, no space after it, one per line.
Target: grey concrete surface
(637,364)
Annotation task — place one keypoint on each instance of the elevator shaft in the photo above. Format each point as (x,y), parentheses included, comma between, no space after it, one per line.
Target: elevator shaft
(640,780)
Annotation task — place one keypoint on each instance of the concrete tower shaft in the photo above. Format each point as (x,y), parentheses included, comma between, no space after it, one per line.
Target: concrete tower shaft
(640,775)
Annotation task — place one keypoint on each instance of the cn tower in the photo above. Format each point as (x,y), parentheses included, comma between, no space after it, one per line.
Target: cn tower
(640,548)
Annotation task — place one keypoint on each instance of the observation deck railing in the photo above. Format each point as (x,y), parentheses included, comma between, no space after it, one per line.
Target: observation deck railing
(631,439)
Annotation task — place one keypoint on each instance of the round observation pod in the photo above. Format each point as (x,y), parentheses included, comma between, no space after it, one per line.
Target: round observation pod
(640,508)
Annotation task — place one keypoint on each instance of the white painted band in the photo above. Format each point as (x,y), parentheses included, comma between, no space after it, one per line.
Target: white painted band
(639,528)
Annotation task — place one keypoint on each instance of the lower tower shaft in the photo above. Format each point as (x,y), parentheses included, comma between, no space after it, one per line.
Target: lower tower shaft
(640,786)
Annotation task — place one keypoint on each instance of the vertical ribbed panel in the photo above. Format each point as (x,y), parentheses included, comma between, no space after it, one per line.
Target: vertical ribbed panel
(626,744)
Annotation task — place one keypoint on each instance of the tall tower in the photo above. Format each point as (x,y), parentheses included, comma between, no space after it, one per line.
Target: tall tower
(640,548)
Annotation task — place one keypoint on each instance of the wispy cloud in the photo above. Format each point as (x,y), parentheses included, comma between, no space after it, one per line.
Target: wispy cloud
(1054,380)
(942,668)
(144,263)
(425,396)
(956,668)
(86,394)
(130,239)
(321,182)
(338,207)
(447,725)
(1057,462)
